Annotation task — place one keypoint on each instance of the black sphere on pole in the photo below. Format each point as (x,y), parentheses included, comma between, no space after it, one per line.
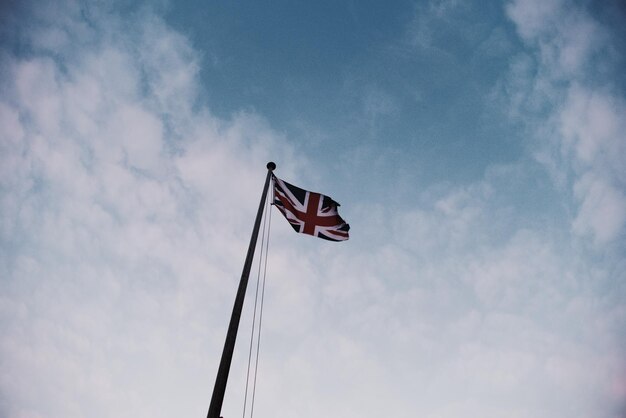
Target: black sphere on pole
(271,166)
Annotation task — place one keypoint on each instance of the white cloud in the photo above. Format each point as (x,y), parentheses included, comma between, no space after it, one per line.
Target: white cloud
(592,126)
(477,323)
(584,131)
(602,212)
(126,211)
(119,253)
(565,36)
(533,17)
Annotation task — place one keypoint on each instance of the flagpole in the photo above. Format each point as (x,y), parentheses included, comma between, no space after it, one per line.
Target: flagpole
(215,408)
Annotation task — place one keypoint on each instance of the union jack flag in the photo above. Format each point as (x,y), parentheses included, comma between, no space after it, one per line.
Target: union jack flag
(310,213)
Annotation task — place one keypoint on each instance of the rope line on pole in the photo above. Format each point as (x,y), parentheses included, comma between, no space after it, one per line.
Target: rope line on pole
(256,364)
(262,262)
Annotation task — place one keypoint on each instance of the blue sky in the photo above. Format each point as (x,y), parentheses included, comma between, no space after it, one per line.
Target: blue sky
(477,151)
(387,78)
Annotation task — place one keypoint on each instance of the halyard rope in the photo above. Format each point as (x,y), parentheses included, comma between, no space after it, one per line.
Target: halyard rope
(258,341)
(264,251)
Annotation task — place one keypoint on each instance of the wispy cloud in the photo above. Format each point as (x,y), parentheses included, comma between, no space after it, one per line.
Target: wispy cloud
(585,114)
(126,206)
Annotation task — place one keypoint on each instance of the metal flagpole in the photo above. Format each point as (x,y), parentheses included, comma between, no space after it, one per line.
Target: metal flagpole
(215,408)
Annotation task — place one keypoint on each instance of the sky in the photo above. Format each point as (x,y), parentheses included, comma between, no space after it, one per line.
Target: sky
(477,150)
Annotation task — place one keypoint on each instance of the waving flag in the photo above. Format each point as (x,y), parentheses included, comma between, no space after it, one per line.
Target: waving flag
(310,213)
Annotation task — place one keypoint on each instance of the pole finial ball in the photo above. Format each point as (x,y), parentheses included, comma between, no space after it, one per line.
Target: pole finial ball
(271,166)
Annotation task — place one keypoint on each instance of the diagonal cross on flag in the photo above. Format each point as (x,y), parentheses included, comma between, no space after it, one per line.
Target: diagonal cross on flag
(309,212)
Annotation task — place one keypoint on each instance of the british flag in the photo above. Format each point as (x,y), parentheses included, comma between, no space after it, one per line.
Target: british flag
(310,213)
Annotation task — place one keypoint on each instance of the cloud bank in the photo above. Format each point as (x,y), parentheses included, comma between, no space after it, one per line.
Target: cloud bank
(116,227)
(126,207)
